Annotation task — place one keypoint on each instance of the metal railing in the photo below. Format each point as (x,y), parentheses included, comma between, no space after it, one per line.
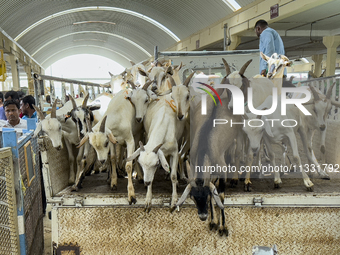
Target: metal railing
(28,189)
(323,85)
(93,88)
(9,233)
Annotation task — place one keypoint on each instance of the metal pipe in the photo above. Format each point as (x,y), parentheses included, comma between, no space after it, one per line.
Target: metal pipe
(206,53)
(46,77)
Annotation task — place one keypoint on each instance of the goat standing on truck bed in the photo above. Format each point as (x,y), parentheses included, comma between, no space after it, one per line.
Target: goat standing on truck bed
(121,121)
(164,124)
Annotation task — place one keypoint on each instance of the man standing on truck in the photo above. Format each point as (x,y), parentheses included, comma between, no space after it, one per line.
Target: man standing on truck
(270,42)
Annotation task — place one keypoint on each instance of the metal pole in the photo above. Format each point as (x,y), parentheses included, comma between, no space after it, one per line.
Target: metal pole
(156,53)
(36,90)
(225,43)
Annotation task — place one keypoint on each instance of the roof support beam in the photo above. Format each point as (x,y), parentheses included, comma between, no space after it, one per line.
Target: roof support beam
(244,20)
(331,42)
(12,48)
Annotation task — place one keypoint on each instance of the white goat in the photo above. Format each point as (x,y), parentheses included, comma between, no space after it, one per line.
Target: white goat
(56,126)
(121,125)
(164,124)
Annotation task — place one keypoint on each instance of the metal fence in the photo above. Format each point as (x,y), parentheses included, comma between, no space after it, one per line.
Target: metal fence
(68,86)
(323,84)
(9,235)
(27,183)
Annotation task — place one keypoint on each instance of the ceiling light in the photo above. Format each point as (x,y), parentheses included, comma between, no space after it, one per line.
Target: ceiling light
(88,22)
(88,40)
(232,4)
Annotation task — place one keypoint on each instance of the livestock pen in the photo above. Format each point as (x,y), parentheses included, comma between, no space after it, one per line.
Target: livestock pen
(21,193)
(97,220)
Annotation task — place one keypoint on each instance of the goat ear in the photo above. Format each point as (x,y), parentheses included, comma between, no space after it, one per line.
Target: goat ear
(134,155)
(94,107)
(184,195)
(142,72)
(264,57)
(267,128)
(37,130)
(151,94)
(164,163)
(111,74)
(215,195)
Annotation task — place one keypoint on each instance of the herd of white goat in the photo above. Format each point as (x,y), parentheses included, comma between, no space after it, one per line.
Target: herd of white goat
(149,121)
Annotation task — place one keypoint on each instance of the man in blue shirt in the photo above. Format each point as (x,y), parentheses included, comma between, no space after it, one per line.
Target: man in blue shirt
(270,42)
(2,110)
(26,107)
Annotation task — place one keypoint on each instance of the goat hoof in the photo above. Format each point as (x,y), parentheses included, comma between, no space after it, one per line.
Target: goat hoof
(277,186)
(114,188)
(310,189)
(221,232)
(132,200)
(247,187)
(212,226)
(233,183)
(326,177)
(147,208)
(226,232)
(172,209)
(74,188)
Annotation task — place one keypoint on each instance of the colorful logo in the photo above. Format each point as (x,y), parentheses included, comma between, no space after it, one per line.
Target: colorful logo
(208,92)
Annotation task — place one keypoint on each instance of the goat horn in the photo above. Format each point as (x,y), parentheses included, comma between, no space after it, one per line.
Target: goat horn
(41,115)
(155,150)
(315,93)
(187,80)
(83,141)
(244,67)
(73,102)
(102,125)
(329,91)
(85,101)
(141,146)
(132,84)
(54,110)
(146,85)
(226,66)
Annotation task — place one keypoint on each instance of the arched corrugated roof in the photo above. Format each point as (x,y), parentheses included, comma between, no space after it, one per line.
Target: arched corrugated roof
(57,36)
